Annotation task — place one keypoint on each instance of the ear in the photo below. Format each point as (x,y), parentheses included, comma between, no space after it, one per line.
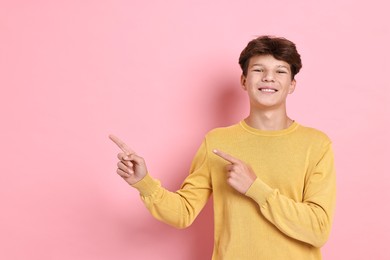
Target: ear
(243,82)
(292,86)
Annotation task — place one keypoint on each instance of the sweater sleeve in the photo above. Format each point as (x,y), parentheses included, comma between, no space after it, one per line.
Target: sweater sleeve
(308,220)
(179,208)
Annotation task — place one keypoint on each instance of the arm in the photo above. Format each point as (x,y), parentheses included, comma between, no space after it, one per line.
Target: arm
(308,220)
(179,208)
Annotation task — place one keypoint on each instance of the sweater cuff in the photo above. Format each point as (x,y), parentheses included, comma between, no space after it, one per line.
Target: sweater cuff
(147,186)
(259,192)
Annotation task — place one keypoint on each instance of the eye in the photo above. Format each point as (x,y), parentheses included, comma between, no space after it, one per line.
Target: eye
(258,70)
(281,71)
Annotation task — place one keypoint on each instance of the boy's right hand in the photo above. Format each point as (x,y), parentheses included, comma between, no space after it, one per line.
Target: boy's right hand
(131,167)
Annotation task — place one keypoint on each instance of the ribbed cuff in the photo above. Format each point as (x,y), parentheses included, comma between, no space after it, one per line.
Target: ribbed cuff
(259,192)
(147,186)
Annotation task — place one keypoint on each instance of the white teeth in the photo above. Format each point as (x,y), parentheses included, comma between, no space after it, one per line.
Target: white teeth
(267,90)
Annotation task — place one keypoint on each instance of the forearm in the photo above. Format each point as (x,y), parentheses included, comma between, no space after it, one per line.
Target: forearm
(178,209)
(307,221)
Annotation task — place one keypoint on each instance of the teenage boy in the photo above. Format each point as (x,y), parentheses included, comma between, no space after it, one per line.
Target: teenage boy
(272,179)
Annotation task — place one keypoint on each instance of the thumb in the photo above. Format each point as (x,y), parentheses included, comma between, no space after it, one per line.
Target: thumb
(136,159)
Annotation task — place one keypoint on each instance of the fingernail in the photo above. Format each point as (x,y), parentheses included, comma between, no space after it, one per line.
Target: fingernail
(215,151)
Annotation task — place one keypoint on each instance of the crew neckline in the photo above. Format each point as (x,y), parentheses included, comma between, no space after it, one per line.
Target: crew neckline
(256,131)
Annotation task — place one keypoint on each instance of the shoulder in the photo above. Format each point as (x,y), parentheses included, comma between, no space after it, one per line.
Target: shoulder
(223,131)
(313,134)
(223,135)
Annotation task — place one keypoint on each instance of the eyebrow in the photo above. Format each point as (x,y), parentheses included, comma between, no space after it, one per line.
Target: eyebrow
(279,66)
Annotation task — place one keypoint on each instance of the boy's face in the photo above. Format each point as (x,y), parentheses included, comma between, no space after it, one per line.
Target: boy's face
(268,82)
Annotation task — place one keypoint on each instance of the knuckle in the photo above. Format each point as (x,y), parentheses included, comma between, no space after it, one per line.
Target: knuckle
(122,173)
(231,182)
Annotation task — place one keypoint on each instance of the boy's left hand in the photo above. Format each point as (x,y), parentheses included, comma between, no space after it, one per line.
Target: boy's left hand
(240,175)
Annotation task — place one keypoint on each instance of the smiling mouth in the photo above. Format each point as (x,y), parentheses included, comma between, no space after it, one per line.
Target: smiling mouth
(268,90)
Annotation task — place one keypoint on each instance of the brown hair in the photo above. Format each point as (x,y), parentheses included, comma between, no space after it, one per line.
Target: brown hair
(280,48)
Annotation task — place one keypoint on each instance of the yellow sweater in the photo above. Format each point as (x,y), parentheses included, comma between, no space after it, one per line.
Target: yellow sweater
(285,214)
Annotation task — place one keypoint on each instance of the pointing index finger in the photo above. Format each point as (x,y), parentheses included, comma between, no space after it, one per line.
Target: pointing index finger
(226,157)
(121,144)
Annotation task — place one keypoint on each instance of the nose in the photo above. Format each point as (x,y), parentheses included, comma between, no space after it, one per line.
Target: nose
(268,77)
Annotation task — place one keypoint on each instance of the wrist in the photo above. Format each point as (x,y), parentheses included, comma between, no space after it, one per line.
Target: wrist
(147,186)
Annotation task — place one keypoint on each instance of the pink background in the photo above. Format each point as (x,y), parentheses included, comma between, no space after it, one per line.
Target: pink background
(160,74)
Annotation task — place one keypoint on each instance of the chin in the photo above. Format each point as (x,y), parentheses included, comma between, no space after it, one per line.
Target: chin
(268,105)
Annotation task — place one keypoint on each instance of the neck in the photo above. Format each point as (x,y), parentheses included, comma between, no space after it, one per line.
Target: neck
(268,120)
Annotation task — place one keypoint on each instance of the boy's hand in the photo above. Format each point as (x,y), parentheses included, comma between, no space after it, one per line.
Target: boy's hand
(240,175)
(131,167)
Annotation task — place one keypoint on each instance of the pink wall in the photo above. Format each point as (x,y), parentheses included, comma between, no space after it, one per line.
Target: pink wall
(159,74)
